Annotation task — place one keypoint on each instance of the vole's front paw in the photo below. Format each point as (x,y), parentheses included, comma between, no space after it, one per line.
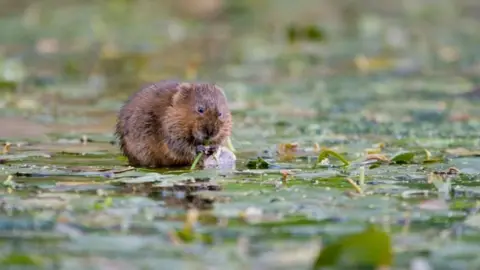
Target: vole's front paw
(206,149)
(200,149)
(211,149)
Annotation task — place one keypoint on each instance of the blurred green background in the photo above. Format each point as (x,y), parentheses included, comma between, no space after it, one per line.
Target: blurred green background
(58,53)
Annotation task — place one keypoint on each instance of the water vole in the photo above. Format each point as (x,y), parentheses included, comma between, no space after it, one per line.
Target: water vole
(169,122)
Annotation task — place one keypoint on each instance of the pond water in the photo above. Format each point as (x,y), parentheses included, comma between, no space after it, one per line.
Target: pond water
(69,200)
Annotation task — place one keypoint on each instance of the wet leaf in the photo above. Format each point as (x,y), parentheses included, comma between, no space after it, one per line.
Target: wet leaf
(105,203)
(403,158)
(292,34)
(150,178)
(311,33)
(463,152)
(22,259)
(24,156)
(325,153)
(7,85)
(314,33)
(371,247)
(259,163)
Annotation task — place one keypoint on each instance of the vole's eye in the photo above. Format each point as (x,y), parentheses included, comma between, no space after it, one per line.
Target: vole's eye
(200,110)
(219,114)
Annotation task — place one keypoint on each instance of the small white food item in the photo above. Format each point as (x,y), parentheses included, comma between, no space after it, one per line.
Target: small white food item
(222,159)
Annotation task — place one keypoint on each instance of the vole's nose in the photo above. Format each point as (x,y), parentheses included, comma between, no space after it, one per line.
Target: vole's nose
(209,132)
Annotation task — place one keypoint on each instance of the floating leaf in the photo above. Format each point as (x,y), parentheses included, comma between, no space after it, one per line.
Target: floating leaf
(259,163)
(20,259)
(403,158)
(147,178)
(8,85)
(287,151)
(187,234)
(100,205)
(314,33)
(9,182)
(122,158)
(309,33)
(375,165)
(24,156)
(378,157)
(371,247)
(292,34)
(325,153)
(365,63)
(462,152)
(429,159)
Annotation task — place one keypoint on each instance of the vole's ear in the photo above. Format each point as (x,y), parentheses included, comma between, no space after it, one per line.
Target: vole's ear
(184,86)
(221,90)
(183,91)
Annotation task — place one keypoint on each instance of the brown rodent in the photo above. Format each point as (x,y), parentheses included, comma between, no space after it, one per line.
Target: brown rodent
(167,123)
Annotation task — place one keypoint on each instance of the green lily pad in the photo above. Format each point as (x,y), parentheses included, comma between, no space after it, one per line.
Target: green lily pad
(371,247)
(259,163)
(403,158)
(22,259)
